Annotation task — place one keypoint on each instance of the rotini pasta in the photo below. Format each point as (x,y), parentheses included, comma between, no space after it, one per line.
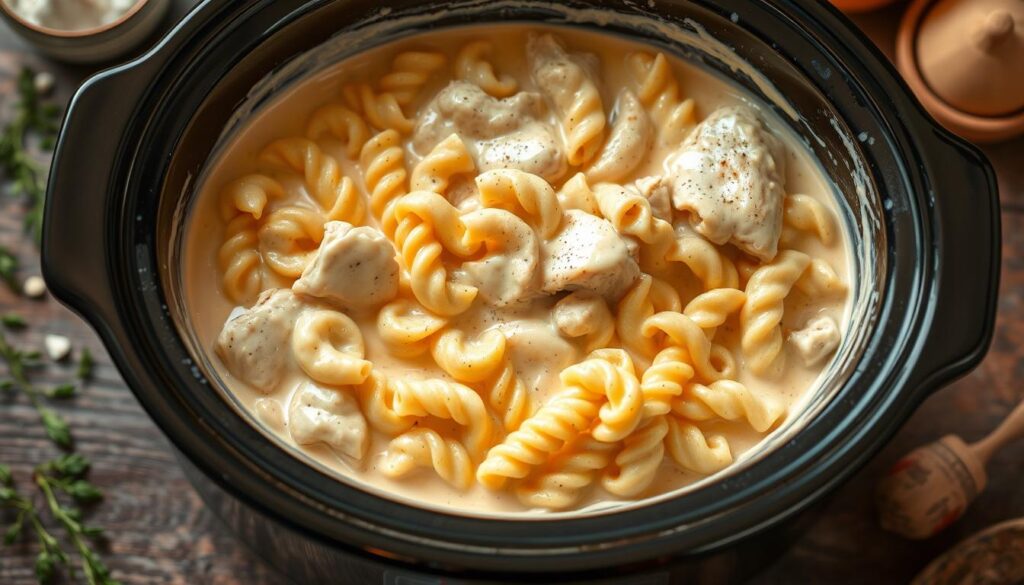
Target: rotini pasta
(762,313)
(681,331)
(637,463)
(447,159)
(381,110)
(565,479)
(407,327)
(427,448)
(729,400)
(473,361)
(328,346)
(471,65)
(240,260)
(410,71)
(289,239)
(384,176)
(691,449)
(446,400)
(333,192)
(526,195)
(659,91)
(342,123)
(249,195)
(707,263)
(647,297)
(805,213)
(627,144)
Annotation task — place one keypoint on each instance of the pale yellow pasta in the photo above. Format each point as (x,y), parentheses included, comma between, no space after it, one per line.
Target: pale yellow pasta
(576,194)
(248,195)
(664,381)
(407,327)
(694,451)
(597,329)
(448,159)
(381,110)
(565,416)
(806,213)
(729,400)
(471,65)
(289,239)
(525,194)
(630,213)
(674,328)
(710,309)
(509,397)
(240,261)
(469,361)
(820,281)
(328,346)
(342,123)
(427,448)
(659,91)
(637,463)
(376,397)
(410,71)
(384,175)
(707,263)
(334,192)
(622,411)
(647,296)
(762,313)
(568,474)
(446,400)
(627,144)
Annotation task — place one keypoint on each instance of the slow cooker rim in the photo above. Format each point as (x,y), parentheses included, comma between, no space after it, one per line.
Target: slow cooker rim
(136,385)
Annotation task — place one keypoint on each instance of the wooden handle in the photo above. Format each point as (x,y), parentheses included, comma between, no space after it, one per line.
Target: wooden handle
(1011,428)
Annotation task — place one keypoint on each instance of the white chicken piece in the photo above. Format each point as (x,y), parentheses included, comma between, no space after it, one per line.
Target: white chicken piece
(538,353)
(354,267)
(817,340)
(588,254)
(330,416)
(250,342)
(658,194)
(582,313)
(728,176)
(507,271)
(500,133)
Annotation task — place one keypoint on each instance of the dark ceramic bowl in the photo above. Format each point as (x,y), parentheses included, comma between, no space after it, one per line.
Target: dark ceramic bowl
(921,205)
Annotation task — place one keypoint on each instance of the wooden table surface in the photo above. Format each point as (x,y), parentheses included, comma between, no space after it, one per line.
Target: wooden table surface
(161,533)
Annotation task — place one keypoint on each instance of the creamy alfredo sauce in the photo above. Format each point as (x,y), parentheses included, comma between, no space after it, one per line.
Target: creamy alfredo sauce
(540,351)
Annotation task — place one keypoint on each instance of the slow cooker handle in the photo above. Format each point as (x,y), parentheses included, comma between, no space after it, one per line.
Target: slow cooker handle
(81,190)
(966,202)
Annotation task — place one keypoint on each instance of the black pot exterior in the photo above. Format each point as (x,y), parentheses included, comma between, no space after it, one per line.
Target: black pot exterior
(110,228)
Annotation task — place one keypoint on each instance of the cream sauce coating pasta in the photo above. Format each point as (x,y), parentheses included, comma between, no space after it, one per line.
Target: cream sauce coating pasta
(505,306)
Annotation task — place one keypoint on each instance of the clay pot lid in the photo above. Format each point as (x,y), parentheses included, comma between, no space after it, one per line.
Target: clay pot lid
(965,61)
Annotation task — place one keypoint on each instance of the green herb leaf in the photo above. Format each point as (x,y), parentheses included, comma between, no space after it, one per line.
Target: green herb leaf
(56,428)
(62,391)
(5,475)
(13,321)
(72,465)
(7,494)
(8,268)
(14,530)
(85,365)
(45,566)
(83,491)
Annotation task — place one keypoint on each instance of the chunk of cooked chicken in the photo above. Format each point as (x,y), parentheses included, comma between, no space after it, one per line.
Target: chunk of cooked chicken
(504,133)
(354,268)
(588,254)
(507,272)
(728,176)
(538,353)
(330,416)
(659,194)
(250,342)
(581,313)
(817,340)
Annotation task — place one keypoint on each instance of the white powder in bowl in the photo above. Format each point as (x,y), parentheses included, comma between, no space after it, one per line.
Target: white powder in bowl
(70,15)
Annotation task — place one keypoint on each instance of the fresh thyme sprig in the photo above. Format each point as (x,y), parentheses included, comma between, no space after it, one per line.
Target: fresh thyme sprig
(18,361)
(28,177)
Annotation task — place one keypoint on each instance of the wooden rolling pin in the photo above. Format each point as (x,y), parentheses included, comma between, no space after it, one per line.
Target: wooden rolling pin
(929,488)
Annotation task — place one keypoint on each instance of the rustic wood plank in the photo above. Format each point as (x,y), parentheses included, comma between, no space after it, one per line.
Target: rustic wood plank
(161,533)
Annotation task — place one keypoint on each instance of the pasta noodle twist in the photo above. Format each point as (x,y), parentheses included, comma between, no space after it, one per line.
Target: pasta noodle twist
(509,397)
(630,213)
(564,480)
(427,225)
(406,327)
(707,263)
(410,71)
(648,296)
(820,280)
(248,195)
(806,213)
(691,449)
(729,400)
(333,192)
(524,194)
(621,414)
(447,159)
(289,239)
(762,313)
(471,65)
(240,260)
(447,400)
(595,323)
(377,397)
(328,346)
(659,91)
(427,448)
(384,175)
(382,110)
(342,123)
(664,380)
(637,463)
(681,331)
(710,309)
(473,361)
(575,98)
(576,194)
(566,415)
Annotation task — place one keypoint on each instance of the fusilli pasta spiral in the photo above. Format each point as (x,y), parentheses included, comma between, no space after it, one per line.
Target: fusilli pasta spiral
(729,400)
(524,194)
(248,195)
(762,313)
(342,123)
(382,110)
(659,91)
(447,400)
(448,159)
(427,448)
(563,481)
(469,361)
(410,71)
(240,260)
(471,65)
(289,239)
(328,346)
(407,327)
(384,176)
(648,296)
(333,192)
(691,449)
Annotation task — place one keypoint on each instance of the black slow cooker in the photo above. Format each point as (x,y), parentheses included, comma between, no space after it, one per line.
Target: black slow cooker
(921,204)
